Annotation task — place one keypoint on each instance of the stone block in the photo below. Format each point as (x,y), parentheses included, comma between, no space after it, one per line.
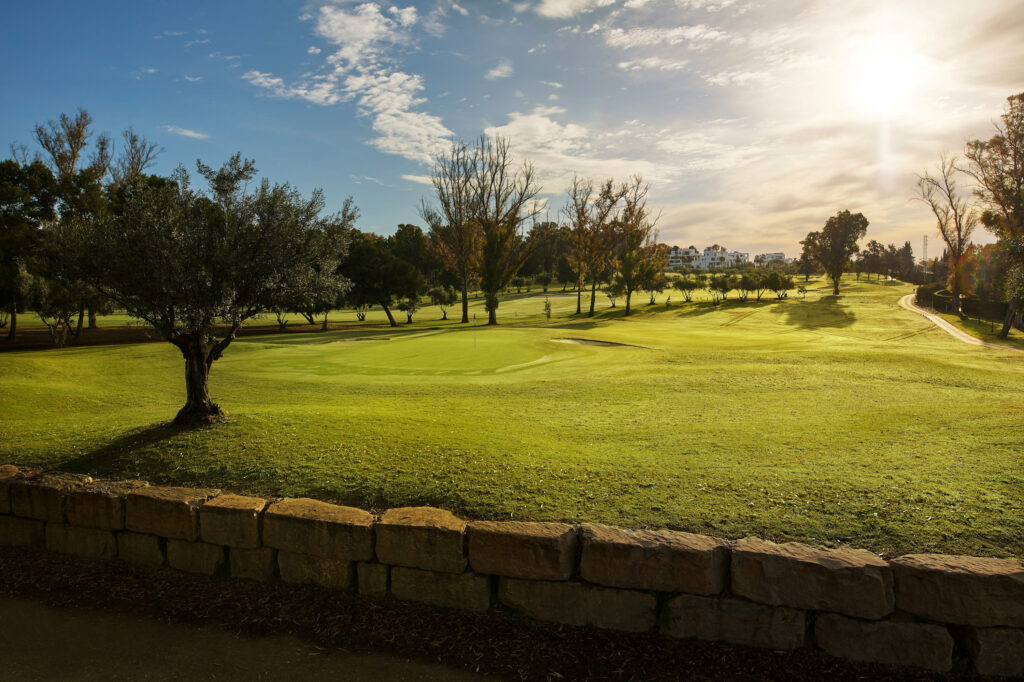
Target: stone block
(8,472)
(313,528)
(372,579)
(422,537)
(736,621)
(89,543)
(982,592)
(15,532)
(42,497)
(138,548)
(305,569)
(166,511)
(853,582)
(580,604)
(452,590)
(253,564)
(99,504)
(195,557)
(895,643)
(662,560)
(232,520)
(518,549)
(997,651)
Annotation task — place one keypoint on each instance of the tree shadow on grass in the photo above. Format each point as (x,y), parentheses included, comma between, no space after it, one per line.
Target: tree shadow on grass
(128,452)
(826,312)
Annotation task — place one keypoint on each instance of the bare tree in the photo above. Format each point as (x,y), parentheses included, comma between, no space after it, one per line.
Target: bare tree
(956,219)
(503,202)
(136,156)
(63,140)
(455,236)
(577,213)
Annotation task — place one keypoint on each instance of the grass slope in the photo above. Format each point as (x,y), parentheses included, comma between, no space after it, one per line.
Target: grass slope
(831,421)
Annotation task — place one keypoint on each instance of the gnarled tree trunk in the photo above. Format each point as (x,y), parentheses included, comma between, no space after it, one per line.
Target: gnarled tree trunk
(200,350)
(1011,316)
(593,296)
(14,321)
(391,318)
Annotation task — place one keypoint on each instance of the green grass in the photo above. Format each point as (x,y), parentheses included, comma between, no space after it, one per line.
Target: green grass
(985,330)
(830,421)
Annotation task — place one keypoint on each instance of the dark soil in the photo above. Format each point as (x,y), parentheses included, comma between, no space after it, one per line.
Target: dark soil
(503,645)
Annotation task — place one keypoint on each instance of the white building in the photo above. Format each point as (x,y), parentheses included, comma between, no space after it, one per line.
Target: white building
(777,257)
(716,256)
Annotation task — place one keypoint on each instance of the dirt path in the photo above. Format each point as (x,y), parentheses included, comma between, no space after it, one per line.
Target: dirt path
(63,644)
(908,303)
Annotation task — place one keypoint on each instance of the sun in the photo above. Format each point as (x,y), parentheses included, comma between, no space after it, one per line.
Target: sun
(882,75)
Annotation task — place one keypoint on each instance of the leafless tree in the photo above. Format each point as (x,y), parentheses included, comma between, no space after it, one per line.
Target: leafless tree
(136,156)
(455,236)
(955,218)
(503,202)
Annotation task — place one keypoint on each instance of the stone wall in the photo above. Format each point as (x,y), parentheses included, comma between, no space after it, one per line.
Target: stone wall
(925,610)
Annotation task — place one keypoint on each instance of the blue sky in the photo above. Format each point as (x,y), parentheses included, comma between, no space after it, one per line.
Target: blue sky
(753,121)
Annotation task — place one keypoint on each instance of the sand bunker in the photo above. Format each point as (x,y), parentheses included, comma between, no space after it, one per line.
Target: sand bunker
(595,342)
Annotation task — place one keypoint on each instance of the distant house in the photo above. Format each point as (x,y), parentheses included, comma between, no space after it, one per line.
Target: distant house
(769,258)
(716,256)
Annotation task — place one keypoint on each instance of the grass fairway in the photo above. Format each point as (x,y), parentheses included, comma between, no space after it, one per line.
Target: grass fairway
(825,420)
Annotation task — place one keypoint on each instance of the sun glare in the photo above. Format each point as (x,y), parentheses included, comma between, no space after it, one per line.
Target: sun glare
(880,76)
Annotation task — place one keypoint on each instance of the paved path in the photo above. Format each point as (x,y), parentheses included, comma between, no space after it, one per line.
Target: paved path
(39,642)
(957,333)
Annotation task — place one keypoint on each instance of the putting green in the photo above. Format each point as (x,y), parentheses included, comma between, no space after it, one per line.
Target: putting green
(829,420)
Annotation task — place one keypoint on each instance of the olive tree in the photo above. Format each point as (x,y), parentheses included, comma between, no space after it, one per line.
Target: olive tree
(197,264)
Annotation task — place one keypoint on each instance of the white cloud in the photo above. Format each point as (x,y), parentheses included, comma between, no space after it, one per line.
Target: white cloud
(313,49)
(406,16)
(502,70)
(551,84)
(559,150)
(421,179)
(185,132)
(563,9)
(697,37)
(656,63)
(192,79)
(362,69)
(709,5)
(461,10)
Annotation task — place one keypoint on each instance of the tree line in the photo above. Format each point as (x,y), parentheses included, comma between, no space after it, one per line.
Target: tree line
(994,169)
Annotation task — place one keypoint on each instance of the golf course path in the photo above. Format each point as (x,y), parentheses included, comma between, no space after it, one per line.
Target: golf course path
(908,303)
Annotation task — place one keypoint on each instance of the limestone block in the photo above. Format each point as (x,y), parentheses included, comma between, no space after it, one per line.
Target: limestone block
(422,537)
(896,643)
(232,520)
(310,527)
(580,604)
(983,592)
(663,560)
(89,543)
(195,557)
(452,590)
(853,582)
(997,651)
(7,472)
(736,621)
(253,564)
(42,496)
(138,548)
(372,579)
(99,504)
(15,532)
(166,511)
(517,549)
(305,569)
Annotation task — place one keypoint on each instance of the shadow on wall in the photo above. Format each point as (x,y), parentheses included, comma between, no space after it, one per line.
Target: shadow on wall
(826,312)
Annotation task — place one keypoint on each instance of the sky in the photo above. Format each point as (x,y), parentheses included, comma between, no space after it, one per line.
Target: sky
(753,121)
